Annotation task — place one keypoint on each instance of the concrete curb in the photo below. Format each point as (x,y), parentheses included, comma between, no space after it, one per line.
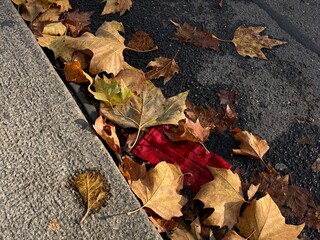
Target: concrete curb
(45,140)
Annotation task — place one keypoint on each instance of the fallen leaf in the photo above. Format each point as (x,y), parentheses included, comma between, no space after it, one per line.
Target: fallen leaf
(232,235)
(225,195)
(228,97)
(77,22)
(132,170)
(252,191)
(251,145)
(114,6)
(248,42)
(92,189)
(163,67)
(141,41)
(55,29)
(202,39)
(263,219)
(191,157)
(108,132)
(54,225)
(316,166)
(163,225)
(312,219)
(147,109)
(189,130)
(185,232)
(159,190)
(74,73)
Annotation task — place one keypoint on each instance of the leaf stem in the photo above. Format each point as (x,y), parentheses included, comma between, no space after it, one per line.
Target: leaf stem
(136,140)
(85,216)
(134,211)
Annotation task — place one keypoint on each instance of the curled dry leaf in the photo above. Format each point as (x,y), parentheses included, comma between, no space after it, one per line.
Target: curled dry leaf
(77,22)
(159,190)
(189,130)
(248,42)
(132,170)
(141,41)
(92,189)
(114,6)
(250,145)
(225,195)
(74,73)
(108,132)
(202,39)
(259,218)
(163,67)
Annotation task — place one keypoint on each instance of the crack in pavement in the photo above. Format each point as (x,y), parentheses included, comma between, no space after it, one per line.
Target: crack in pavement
(288,27)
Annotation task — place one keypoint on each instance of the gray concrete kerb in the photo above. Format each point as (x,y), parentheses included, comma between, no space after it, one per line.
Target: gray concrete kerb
(45,140)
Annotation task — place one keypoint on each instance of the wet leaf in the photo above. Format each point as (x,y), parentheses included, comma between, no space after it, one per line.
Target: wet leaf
(263,220)
(159,190)
(114,6)
(162,67)
(141,41)
(92,189)
(225,195)
(248,41)
(251,145)
(108,133)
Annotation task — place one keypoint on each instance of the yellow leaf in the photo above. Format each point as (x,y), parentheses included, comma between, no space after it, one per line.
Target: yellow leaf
(251,145)
(92,189)
(262,220)
(159,190)
(224,194)
(54,29)
(248,42)
(113,6)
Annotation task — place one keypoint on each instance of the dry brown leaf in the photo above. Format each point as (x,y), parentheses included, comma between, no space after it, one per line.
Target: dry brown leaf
(92,189)
(316,166)
(225,195)
(163,67)
(248,42)
(114,6)
(228,97)
(77,22)
(74,73)
(132,170)
(159,190)
(232,235)
(202,39)
(108,132)
(189,130)
(263,220)
(55,29)
(312,219)
(141,41)
(186,232)
(251,145)
(163,225)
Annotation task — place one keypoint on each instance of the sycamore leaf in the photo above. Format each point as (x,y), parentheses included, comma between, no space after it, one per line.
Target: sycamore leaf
(148,109)
(54,29)
(263,220)
(108,132)
(189,130)
(202,39)
(163,67)
(76,22)
(159,190)
(74,73)
(114,6)
(225,195)
(92,189)
(250,145)
(186,232)
(232,235)
(141,41)
(163,225)
(248,42)
(132,170)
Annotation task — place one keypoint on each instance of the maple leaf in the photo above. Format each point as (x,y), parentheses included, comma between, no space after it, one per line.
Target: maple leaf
(202,39)
(132,170)
(259,218)
(189,130)
(232,235)
(113,6)
(108,132)
(141,41)
(248,42)
(76,22)
(159,190)
(74,73)
(92,189)
(163,67)
(251,145)
(224,194)
(147,109)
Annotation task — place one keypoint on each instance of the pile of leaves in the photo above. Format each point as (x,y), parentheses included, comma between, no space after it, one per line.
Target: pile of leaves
(187,191)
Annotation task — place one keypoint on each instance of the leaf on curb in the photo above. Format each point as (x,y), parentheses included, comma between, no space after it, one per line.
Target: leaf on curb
(92,189)
(114,6)
(159,190)
(225,195)
(251,145)
(263,219)
(141,41)
(248,41)
(162,67)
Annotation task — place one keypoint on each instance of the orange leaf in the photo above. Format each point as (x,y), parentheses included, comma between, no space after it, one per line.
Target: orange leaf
(74,73)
